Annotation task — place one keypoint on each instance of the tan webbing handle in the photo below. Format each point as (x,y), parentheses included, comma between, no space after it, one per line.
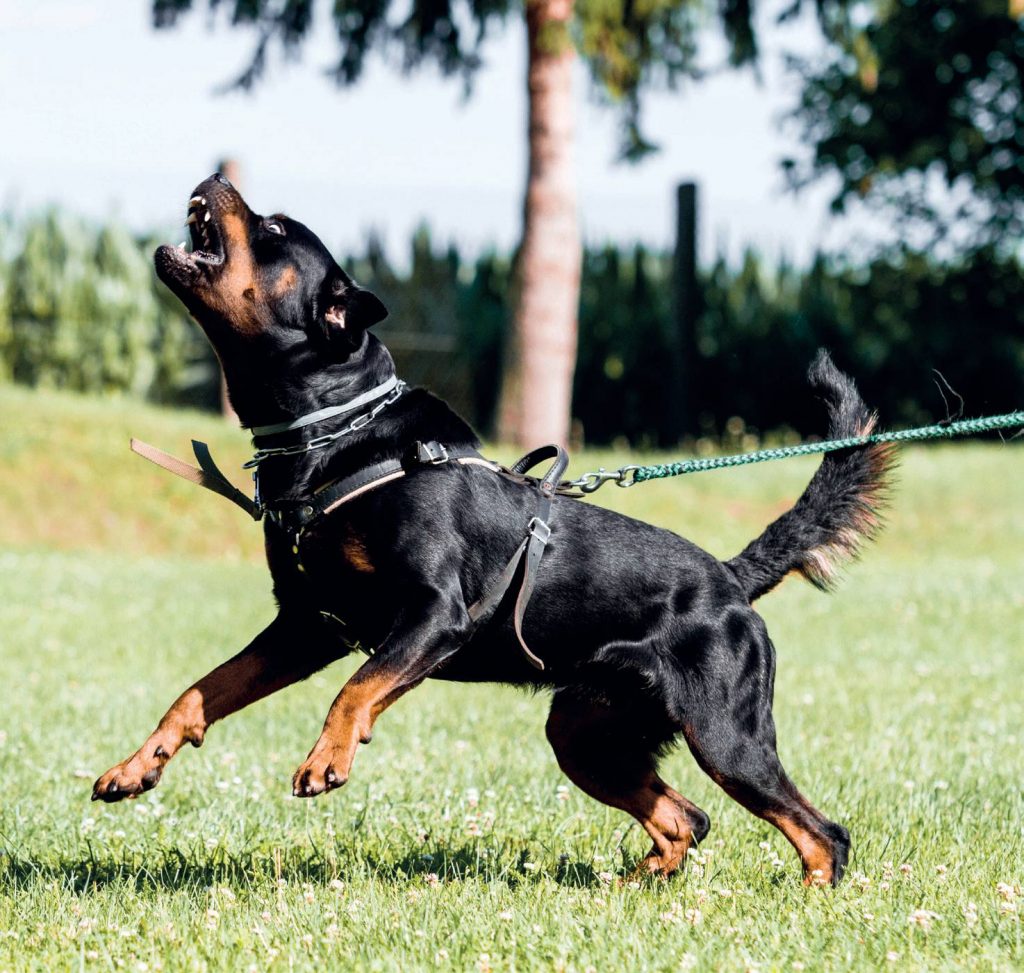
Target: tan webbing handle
(206,475)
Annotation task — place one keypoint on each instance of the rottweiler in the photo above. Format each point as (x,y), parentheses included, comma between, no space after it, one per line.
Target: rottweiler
(644,637)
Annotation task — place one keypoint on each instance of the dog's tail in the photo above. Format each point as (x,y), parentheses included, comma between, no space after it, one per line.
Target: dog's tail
(837,512)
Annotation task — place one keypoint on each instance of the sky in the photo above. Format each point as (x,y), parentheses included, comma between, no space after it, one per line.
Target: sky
(105,115)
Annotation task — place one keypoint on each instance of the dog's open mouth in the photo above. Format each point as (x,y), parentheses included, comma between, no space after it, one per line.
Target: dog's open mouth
(207,248)
(196,262)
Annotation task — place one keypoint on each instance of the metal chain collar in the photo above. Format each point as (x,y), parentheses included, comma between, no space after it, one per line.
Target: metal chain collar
(318,442)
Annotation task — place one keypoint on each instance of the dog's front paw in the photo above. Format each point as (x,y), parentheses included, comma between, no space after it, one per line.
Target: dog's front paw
(320,772)
(127,779)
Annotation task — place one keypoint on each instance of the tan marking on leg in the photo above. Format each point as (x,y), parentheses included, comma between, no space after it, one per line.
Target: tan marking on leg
(229,687)
(815,854)
(349,722)
(780,804)
(666,816)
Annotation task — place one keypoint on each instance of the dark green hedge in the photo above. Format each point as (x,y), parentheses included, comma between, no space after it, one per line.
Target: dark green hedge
(891,325)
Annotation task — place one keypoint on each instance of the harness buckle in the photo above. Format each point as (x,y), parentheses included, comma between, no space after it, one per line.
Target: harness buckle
(539,529)
(431,452)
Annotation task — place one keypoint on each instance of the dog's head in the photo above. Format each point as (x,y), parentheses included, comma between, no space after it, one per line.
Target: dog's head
(262,285)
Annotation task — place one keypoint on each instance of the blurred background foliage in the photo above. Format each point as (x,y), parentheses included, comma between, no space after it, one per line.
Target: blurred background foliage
(916,107)
(80,308)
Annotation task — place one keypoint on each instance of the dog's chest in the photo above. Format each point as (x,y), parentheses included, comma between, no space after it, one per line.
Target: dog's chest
(336,575)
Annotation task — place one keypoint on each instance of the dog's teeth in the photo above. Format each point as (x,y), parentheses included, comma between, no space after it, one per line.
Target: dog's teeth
(191,219)
(181,246)
(201,200)
(206,218)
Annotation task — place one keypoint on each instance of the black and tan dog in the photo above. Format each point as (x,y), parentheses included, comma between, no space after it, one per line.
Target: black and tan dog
(645,636)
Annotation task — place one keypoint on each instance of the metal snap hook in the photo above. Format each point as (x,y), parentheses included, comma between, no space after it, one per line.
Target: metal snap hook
(590,482)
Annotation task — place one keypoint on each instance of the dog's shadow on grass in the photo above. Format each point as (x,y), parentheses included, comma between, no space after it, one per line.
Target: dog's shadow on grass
(175,870)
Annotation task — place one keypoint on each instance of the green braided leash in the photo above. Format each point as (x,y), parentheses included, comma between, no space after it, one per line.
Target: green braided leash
(628,476)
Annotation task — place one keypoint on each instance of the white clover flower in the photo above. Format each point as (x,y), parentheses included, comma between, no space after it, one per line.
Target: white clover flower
(1006,891)
(970,914)
(923,918)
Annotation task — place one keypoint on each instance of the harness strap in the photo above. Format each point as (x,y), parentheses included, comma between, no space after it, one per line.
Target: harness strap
(207,475)
(388,473)
(296,516)
(528,555)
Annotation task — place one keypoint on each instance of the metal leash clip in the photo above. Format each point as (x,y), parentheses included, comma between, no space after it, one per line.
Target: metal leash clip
(624,476)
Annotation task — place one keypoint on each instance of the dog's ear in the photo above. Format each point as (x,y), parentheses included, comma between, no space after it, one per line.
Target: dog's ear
(348,309)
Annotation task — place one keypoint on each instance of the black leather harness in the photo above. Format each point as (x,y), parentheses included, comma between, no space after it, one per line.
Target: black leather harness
(296,517)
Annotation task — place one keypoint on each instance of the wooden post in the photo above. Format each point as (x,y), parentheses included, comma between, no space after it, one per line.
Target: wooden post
(233,172)
(685,308)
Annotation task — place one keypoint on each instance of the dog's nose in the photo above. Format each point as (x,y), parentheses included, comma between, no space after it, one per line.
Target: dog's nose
(221,178)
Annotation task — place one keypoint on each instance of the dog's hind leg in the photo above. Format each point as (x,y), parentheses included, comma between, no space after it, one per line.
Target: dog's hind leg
(745,764)
(601,750)
(724,708)
(288,650)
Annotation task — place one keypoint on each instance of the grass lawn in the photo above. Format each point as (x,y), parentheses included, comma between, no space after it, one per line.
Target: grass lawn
(458,844)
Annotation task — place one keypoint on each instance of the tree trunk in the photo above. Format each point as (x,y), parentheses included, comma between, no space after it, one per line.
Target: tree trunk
(540,355)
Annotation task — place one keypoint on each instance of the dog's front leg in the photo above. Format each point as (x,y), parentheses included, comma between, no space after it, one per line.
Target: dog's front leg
(412,651)
(288,650)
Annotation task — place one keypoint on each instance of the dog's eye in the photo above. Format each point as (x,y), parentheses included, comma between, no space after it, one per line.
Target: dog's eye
(274,227)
